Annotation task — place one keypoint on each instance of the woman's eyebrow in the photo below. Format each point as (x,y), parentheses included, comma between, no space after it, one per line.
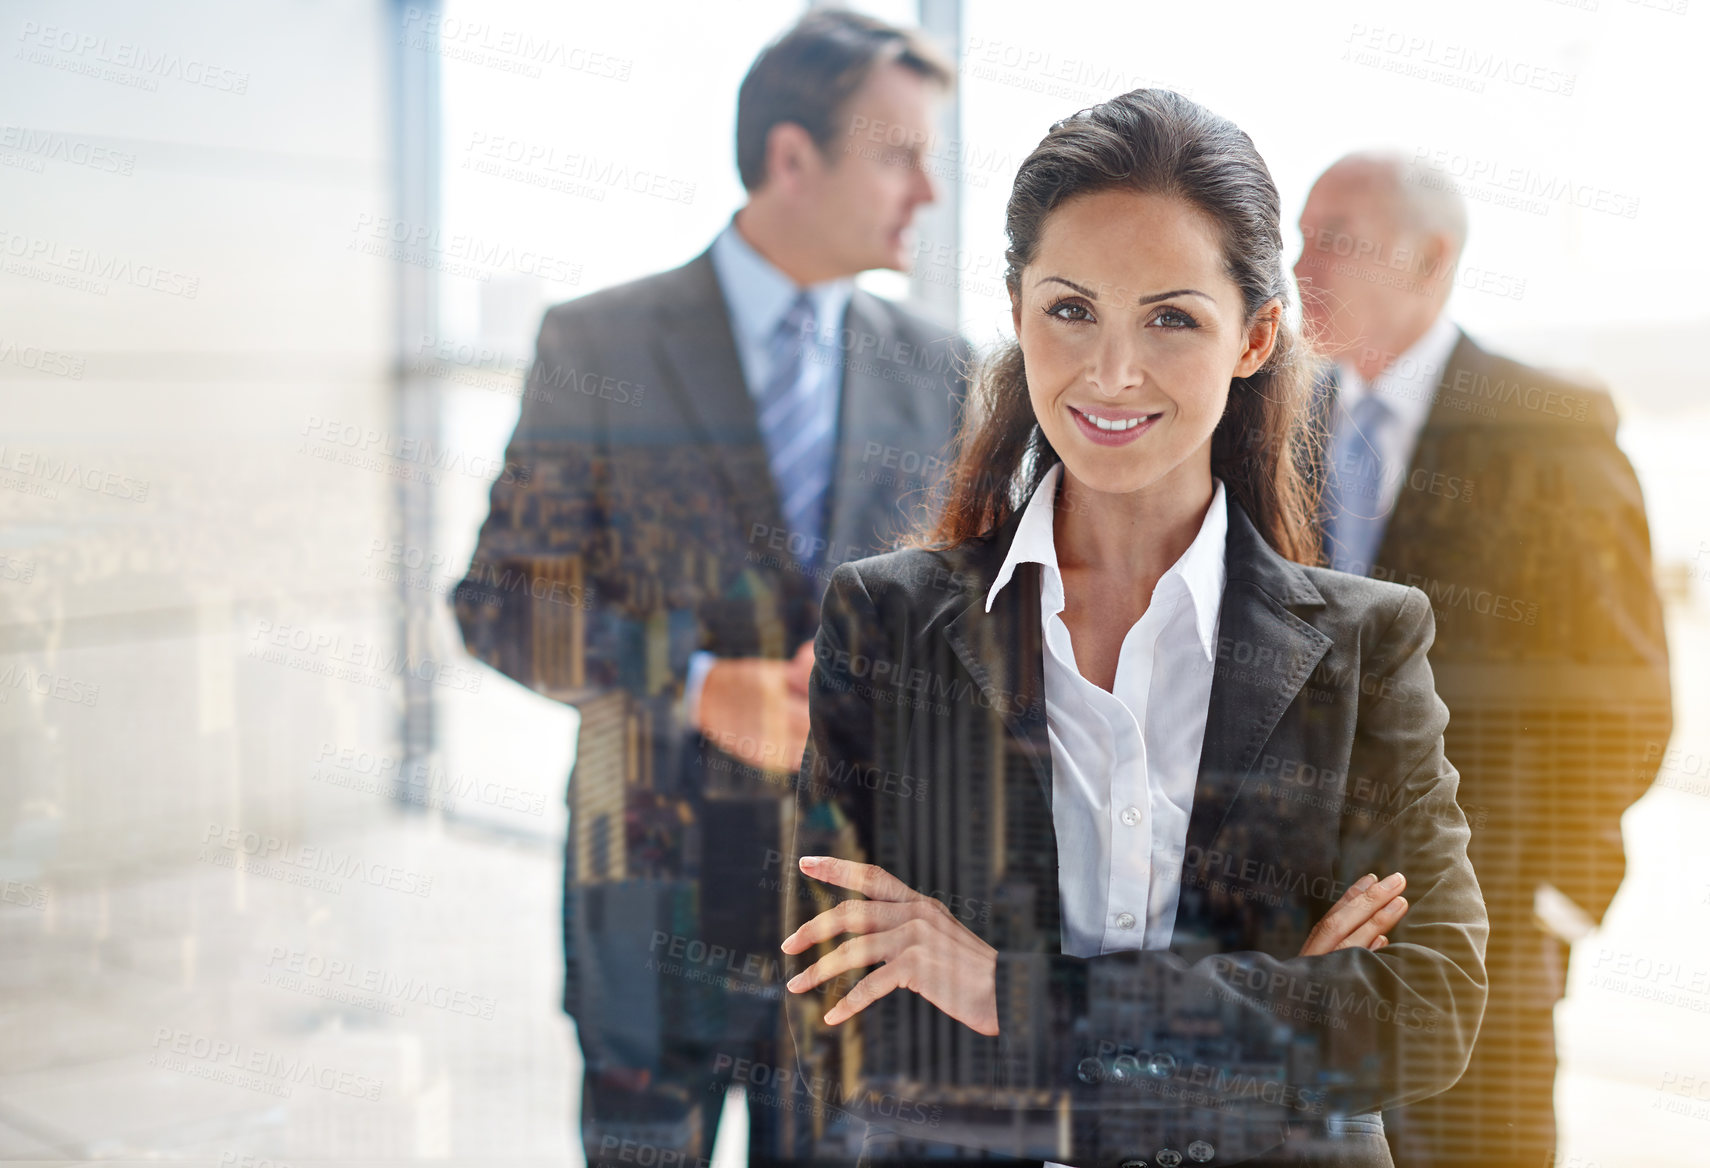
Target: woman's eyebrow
(1144,300)
(1087,292)
(1153,299)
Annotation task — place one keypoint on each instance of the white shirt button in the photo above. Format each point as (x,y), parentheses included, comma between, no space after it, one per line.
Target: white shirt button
(1125,920)
(1131,815)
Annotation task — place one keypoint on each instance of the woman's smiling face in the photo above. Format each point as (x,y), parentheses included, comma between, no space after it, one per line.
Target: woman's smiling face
(1131,330)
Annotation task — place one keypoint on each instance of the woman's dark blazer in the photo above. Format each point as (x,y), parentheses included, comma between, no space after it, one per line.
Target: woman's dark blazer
(1322,761)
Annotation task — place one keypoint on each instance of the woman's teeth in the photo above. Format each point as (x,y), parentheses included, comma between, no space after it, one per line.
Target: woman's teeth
(1107,424)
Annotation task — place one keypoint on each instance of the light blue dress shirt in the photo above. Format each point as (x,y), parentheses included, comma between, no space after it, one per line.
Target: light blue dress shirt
(757,295)
(1408,386)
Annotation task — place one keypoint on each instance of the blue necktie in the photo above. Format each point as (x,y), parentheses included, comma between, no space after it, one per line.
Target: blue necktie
(1354,522)
(799,430)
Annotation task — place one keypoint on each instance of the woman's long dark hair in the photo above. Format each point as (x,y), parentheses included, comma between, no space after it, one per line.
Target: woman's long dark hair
(1152,141)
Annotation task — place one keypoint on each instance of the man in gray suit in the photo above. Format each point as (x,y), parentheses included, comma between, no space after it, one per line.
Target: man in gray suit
(1498,490)
(703,447)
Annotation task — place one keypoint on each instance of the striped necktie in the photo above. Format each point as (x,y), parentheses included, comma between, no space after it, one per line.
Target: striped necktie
(1354,487)
(799,429)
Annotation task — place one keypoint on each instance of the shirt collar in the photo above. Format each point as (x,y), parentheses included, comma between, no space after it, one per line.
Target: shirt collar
(1409,385)
(759,294)
(1200,569)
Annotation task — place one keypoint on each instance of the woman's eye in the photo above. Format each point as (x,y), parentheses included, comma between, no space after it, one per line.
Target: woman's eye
(1074,309)
(1175,318)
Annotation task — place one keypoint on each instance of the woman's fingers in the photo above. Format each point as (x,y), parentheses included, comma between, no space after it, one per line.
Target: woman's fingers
(1358,906)
(867,991)
(851,916)
(1381,922)
(855,953)
(869,880)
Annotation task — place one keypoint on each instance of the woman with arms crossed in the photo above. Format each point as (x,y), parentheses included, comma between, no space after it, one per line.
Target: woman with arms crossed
(1114,771)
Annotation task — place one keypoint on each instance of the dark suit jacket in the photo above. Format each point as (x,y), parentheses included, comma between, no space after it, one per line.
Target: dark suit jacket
(1522,522)
(1322,761)
(640,523)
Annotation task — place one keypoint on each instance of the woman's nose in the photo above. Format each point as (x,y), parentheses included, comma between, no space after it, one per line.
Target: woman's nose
(1118,367)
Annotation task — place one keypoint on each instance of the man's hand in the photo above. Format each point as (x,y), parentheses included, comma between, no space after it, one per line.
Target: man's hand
(801,668)
(1361,919)
(916,941)
(755,709)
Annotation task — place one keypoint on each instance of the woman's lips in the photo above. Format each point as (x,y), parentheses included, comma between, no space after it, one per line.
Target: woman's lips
(1091,429)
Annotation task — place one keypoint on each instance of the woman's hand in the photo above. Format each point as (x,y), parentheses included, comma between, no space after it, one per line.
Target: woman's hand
(1360,920)
(916,941)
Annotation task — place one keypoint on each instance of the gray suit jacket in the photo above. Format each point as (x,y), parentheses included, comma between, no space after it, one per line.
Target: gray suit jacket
(1323,760)
(640,487)
(638,523)
(1523,523)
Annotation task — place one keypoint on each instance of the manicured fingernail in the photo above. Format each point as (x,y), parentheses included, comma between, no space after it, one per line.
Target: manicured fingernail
(810,861)
(786,942)
(1392,882)
(795,984)
(1365,882)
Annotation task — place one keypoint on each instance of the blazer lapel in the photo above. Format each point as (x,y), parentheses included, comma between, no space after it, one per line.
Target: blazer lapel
(1413,508)
(697,354)
(1265,653)
(1003,650)
(874,413)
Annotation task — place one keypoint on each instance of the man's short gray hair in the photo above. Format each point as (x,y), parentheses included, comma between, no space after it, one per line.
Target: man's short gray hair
(1426,198)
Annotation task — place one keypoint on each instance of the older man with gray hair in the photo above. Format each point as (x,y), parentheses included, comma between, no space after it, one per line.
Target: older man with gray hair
(1498,489)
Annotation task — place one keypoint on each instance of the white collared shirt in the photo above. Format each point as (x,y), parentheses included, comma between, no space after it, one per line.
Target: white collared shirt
(1408,386)
(1125,763)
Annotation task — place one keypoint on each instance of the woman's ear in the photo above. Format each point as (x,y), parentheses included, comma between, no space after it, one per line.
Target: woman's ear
(1261,339)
